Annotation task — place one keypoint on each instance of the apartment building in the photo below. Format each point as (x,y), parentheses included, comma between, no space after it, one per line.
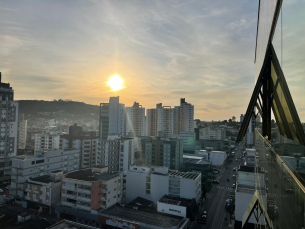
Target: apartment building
(112,118)
(44,190)
(46,141)
(9,129)
(153,182)
(91,189)
(207,133)
(186,117)
(39,164)
(85,141)
(164,152)
(116,152)
(22,132)
(135,120)
(151,127)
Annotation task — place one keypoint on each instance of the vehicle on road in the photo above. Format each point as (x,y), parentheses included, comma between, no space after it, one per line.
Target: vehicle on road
(203,218)
(233,186)
(234,169)
(215,181)
(289,190)
(234,176)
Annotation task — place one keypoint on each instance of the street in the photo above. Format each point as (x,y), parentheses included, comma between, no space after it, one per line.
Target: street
(214,204)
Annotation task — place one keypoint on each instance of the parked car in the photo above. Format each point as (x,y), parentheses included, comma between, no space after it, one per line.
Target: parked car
(215,181)
(233,185)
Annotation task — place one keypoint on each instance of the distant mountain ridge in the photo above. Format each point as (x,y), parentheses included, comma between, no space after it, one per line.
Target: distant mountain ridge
(67,107)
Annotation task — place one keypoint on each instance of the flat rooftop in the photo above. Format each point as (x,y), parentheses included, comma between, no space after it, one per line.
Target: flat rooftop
(43,179)
(150,218)
(65,224)
(186,175)
(88,175)
(175,201)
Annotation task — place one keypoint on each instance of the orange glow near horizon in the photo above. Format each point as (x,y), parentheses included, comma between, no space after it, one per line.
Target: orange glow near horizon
(116,83)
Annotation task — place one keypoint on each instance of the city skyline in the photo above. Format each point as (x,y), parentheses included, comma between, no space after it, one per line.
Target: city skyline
(69,51)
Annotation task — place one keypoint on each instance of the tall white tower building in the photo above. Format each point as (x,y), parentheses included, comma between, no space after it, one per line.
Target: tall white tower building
(135,120)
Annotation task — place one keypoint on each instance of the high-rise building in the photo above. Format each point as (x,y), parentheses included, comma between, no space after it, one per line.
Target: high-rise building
(186,116)
(241,119)
(85,141)
(135,120)
(151,127)
(164,119)
(116,153)
(9,129)
(112,118)
(22,132)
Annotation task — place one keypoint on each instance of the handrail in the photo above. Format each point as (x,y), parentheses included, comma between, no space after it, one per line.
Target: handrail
(283,163)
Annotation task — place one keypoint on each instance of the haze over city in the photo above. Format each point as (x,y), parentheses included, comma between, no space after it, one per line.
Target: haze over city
(54,50)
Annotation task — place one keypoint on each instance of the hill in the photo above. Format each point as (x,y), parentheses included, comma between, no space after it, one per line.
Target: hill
(34,108)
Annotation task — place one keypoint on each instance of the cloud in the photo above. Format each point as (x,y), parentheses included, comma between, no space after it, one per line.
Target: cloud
(237,24)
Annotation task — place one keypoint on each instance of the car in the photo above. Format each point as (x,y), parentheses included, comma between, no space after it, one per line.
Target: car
(205,213)
(234,169)
(1,190)
(233,185)
(234,176)
(215,181)
(289,190)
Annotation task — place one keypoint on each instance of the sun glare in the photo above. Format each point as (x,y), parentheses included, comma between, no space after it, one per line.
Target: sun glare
(115,82)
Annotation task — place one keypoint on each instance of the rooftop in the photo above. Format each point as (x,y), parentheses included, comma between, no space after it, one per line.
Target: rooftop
(176,201)
(150,218)
(186,175)
(43,179)
(88,175)
(65,224)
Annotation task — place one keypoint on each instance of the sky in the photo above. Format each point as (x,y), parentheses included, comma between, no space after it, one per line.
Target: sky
(164,50)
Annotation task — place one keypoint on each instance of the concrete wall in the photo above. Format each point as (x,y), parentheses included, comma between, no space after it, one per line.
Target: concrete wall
(171,209)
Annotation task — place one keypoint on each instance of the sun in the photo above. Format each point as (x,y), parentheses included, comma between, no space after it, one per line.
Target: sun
(116,83)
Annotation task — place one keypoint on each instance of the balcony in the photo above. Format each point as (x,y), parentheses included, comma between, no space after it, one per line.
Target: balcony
(71,196)
(84,190)
(82,198)
(83,207)
(69,204)
(73,188)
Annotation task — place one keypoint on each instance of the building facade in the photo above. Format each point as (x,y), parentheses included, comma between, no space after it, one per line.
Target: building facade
(9,129)
(135,120)
(39,164)
(153,182)
(46,142)
(91,189)
(22,132)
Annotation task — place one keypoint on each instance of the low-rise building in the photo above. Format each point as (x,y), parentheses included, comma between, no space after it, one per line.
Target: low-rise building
(153,182)
(91,189)
(44,190)
(39,164)
(186,208)
(246,185)
(122,217)
(217,158)
(195,164)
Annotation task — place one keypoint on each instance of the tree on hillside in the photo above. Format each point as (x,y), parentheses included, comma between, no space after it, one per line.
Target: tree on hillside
(233,118)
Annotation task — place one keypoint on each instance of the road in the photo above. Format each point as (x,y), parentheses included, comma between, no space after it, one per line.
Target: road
(216,199)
